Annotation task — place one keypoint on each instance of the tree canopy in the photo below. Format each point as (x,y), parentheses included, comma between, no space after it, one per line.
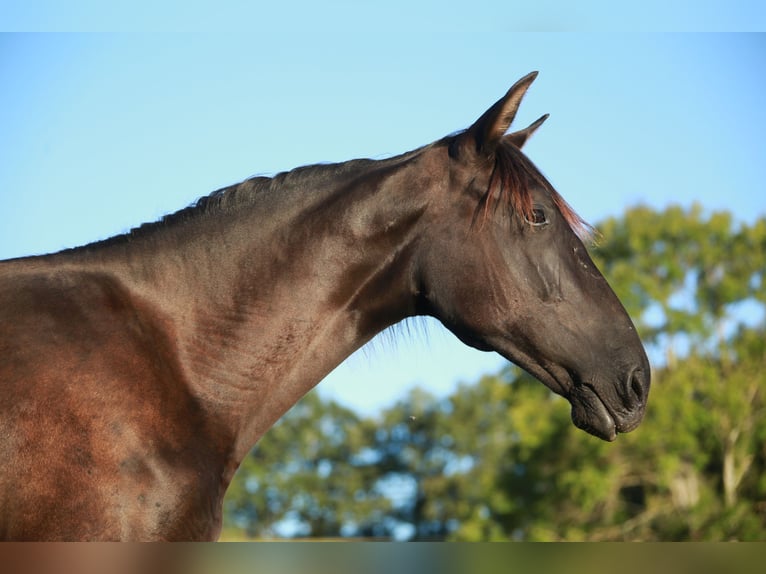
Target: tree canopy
(499,459)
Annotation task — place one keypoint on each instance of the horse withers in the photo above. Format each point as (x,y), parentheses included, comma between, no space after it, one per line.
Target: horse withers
(137,372)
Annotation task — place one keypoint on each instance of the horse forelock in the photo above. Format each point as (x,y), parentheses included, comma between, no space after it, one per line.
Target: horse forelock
(510,186)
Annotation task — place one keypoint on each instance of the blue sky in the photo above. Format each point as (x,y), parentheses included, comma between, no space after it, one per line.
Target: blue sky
(101,132)
(392,18)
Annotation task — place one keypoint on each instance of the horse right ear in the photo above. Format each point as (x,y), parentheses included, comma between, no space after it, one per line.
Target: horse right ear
(487,132)
(519,138)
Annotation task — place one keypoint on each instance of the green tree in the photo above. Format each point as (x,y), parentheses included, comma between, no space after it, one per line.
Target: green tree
(683,275)
(307,476)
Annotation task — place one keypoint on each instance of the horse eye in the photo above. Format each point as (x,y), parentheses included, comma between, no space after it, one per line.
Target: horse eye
(538,216)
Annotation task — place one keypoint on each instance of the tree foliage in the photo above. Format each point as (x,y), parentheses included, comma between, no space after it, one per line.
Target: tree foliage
(500,459)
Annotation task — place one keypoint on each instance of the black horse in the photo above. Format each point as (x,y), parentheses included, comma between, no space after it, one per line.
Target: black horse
(137,372)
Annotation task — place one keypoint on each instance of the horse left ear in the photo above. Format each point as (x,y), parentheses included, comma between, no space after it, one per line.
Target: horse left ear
(488,131)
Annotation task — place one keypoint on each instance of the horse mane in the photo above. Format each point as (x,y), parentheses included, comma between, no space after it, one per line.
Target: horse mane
(247,192)
(236,196)
(510,186)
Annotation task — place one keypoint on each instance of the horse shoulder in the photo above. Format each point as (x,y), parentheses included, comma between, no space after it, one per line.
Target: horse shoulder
(96,423)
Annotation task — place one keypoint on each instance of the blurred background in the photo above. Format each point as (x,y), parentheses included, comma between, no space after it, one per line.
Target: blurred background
(657,139)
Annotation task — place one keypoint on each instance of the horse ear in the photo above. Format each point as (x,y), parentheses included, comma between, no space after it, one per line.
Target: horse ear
(520,137)
(488,131)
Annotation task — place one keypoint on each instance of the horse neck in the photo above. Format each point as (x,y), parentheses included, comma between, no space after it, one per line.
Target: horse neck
(263,301)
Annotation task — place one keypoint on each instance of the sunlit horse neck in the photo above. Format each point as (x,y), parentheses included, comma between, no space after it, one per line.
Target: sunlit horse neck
(270,284)
(152,362)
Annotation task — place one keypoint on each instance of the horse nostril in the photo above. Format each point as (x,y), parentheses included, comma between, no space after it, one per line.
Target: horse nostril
(638,387)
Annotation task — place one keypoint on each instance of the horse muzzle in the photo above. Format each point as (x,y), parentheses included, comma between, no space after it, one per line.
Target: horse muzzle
(604,418)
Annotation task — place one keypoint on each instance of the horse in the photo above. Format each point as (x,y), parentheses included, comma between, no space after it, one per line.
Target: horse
(138,371)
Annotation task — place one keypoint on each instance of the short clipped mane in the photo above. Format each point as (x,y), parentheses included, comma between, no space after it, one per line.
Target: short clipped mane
(510,185)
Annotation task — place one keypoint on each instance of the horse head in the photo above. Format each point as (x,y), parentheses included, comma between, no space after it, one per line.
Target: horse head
(503,266)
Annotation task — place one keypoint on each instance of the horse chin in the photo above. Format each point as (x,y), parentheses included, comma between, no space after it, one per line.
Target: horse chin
(591,415)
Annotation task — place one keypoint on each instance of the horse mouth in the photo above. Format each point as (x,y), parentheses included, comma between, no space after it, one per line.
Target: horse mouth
(590,414)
